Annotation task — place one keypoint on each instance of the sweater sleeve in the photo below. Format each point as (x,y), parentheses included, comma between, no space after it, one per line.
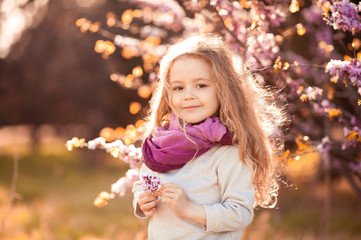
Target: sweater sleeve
(138,189)
(235,210)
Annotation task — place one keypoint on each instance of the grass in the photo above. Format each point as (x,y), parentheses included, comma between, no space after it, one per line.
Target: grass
(55,198)
(55,193)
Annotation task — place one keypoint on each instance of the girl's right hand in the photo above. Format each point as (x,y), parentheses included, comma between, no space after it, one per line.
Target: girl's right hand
(147,203)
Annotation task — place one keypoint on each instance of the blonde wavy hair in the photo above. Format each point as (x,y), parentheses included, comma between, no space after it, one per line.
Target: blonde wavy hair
(246,109)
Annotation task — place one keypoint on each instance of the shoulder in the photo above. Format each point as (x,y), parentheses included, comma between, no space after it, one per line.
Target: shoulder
(226,152)
(228,157)
(221,154)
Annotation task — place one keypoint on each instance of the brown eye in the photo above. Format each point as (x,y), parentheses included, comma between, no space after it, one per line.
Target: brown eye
(201,85)
(177,88)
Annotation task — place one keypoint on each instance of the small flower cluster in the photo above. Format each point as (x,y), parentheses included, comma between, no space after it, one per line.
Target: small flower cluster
(261,45)
(310,93)
(127,153)
(118,188)
(74,143)
(250,24)
(353,137)
(199,23)
(344,15)
(324,145)
(151,183)
(326,108)
(102,199)
(268,15)
(348,69)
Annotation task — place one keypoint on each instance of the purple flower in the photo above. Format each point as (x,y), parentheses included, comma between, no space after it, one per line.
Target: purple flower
(350,69)
(324,145)
(151,183)
(344,15)
(262,47)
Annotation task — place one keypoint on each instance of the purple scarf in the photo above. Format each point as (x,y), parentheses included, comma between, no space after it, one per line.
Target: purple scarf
(168,148)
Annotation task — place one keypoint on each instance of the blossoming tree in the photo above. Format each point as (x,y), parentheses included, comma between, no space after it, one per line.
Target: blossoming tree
(309,51)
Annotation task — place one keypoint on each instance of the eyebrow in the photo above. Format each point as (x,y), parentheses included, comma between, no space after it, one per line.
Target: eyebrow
(194,80)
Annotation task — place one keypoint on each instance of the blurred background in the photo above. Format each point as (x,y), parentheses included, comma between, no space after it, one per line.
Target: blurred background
(54,86)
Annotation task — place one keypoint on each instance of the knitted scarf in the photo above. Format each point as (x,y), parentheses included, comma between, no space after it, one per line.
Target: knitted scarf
(168,148)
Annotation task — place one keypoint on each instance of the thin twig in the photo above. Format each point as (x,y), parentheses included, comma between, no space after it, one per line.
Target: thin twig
(12,191)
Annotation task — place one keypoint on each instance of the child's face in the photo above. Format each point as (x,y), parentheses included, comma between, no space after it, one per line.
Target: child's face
(193,92)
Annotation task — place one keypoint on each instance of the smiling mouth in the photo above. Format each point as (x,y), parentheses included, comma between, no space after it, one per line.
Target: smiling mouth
(190,107)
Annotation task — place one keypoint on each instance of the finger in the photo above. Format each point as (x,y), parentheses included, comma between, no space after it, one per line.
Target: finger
(170,186)
(147,199)
(174,191)
(144,194)
(148,206)
(168,198)
(150,213)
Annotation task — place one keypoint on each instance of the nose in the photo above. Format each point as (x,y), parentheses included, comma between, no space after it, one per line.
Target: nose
(188,94)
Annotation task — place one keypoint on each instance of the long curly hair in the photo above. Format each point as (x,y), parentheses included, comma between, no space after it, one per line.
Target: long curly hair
(246,109)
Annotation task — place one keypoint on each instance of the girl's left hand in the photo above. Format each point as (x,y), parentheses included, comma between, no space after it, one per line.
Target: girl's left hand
(174,196)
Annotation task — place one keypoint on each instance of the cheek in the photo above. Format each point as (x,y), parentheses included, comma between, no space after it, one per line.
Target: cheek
(213,95)
(216,105)
(174,99)
(216,102)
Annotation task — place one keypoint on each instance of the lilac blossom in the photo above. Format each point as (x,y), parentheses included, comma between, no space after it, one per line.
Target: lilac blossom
(350,69)
(262,48)
(268,15)
(344,15)
(352,137)
(313,93)
(151,183)
(324,145)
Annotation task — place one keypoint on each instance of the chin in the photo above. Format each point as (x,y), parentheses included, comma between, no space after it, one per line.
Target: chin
(195,121)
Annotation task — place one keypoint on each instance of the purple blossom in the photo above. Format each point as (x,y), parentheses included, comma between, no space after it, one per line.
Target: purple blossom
(272,15)
(352,137)
(151,183)
(313,93)
(344,15)
(350,69)
(263,48)
(324,146)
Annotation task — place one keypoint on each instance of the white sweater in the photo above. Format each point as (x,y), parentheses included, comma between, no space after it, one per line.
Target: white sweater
(220,182)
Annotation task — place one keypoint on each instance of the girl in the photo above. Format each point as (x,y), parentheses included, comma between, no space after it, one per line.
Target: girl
(209,141)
